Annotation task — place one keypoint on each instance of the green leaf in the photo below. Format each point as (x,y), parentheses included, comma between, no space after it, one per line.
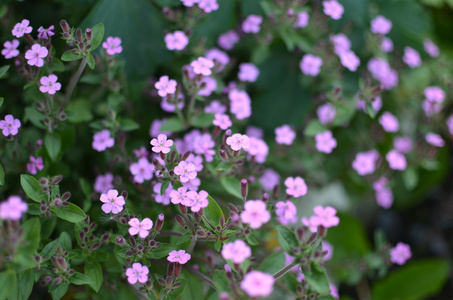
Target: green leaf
(317,279)
(32,188)
(418,279)
(184,238)
(178,290)
(80,279)
(223,166)
(314,127)
(65,241)
(93,270)
(193,287)
(8,283)
(79,111)
(2,175)
(232,185)
(410,178)
(71,213)
(32,229)
(1,101)
(202,120)
(26,282)
(172,124)
(52,142)
(221,280)
(59,291)
(3,71)
(273,263)
(217,244)
(69,56)
(251,240)
(57,65)
(128,125)
(344,113)
(98,34)
(161,251)
(50,249)
(370,110)
(213,212)
(90,61)
(286,238)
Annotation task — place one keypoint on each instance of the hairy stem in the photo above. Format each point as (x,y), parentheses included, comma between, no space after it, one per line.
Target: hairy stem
(286,269)
(75,78)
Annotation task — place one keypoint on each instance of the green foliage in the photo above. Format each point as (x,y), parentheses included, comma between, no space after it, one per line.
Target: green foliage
(32,188)
(71,213)
(286,238)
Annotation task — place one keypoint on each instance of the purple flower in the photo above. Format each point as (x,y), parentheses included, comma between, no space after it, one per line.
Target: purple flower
(141,228)
(431,48)
(49,84)
(164,198)
(449,124)
(196,201)
(434,94)
(269,179)
(142,170)
(349,60)
(334,291)
(365,162)
(228,40)
(161,144)
(102,140)
(411,57)
(103,183)
(311,65)
(381,25)
(202,66)
(384,198)
(112,45)
(165,86)
(403,144)
(36,54)
(112,202)
(340,42)
(284,135)
(431,107)
(210,86)
(248,72)
(10,126)
(178,256)
(257,284)
(21,28)
(186,171)
(400,254)
(176,40)
(220,58)
(189,3)
(286,212)
(325,217)
(252,24)
(45,33)
(386,44)
(302,20)
(238,141)
(35,165)
(326,113)
(380,69)
(204,145)
(137,273)
(327,247)
(255,213)
(389,122)
(215,107)
(178,196)
(12,208)
(10,50)
(295,187)
(240,104)
(376,104)
(333,9)
(237,251)
(434,139)
(223,121)
(259,149)
(325,142)
(396,160)
(208,5)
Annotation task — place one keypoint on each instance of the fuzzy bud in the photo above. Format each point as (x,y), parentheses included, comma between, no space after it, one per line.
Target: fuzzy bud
(88,34)
(180,221)
(65,26)
(244,188)
(159,222)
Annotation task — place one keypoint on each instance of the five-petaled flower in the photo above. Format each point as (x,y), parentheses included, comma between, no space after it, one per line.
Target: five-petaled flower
(141,228)
(165,86)
(10,50)
(36,54)
(161,144)
(35,165)
(112,202)
(137,273)
(238,141)
(255,213)
(186,171)
(49,84)
(177,40)
(257,284)
(10,126)
(102,140)
(45,33)
(325,217)
(202,66)
(12,208)
(21,28)
(178,256)
(237,251)
(400,254)
(112,45)
(295,187)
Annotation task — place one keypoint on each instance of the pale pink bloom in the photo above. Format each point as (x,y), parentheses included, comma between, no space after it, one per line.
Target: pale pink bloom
(286,212)
(202,66)
(112,202)
(380,183)
(381,25)
(434,94)
(253,131)
(141,228)
(215,107)
(137,273)
(142,170)
(178,196)
(102,140)
(325,217)
(334,291)
(252,24)
(10,126)
(284,135)
(306,222)
(49,84)
(240,104)
(189,3)
(220,58)
(112,45)
(210,86)
(311,65)
(259,149)
(269,179)
(10,50)
(333,9)
(257,284)
(384,198)
(380,69)
(431,48)
(186,171)
(296,187)
(255,213)
(13,208)
(403,144)
(349,60)
(376,104)
(228,40)
(326,113)
(325,142)
(302,20)
(161,144)
(396,160)
(178,256)
(222,121)
(177,40)
(45,33)
(208,5)
(411,57)
(35,165)
(431,107)
(171,107)
(386,44)
(340,42)
(36,54)
(141,152)
(192,184)
(365,162)
(103,183)
(154,129)
(389,122)
(237,251)
(400,253)
(197,160)
(204,144)
(326,246)
(164,198)
(196,201)
(434,139)
(449,124)
(21,28)
(165,86)
(248,72)
(238,141)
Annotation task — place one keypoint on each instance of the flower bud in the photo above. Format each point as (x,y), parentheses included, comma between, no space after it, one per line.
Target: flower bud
(88,34)
(178,268)
(171,269)
(181,222)
(65,26)
(244,188)
(79,34)
(159,222)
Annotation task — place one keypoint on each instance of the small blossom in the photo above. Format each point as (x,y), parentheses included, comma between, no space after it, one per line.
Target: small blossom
(186,171)
(257,284)
(49,84)
(102,140)
(189,3)
(389,122)
(284,135)
(325,217)
(252,24)
(434,94)
(380,69)
(326,113)
(431,107)
(36,54)
(326,246)
(248,72)
(286,212)
(349,60)
(223,121)
(255,213)
(142,170)
(365,162)
(112,45)
(384,198)
(341,43)
(325,142)
(302,20)
(164,198)
(449,124)
(112,202)
(411,57)
(215,107)
(208,5)
(161,144)
(176,40)
(178,256)
(165,86)
(228,40)
(13,208)
(238,141)
(396,160)
(178,196)
(334,291)
(10,126)
(376,103)
(203,144)
(381,25)
(137,273)
(103,183)
(22,28)
(220,58)
(35,165)
(431,48)
(400,254)
(259,149)
(240,104)
(269,179)
(403,144)
(295,187)
(253,131)
(333,9)
(237,251)
(386,44)
(141,228)
(196,201)
(202,66)
(311,65)
(45,33)
(434,139)
(210,85)
(10,50)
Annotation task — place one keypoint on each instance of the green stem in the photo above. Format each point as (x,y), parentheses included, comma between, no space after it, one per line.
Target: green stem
(191,108)
(75,78)
(192,243)
(286,269)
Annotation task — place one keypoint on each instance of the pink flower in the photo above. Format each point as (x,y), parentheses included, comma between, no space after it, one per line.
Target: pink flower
(333,9)
(228,40)
(12,208)
(197,160)
(284,135)
(411,57)
(186,171)
(396,160)
(238,141)
(257,284)
(325,142)
(137,273)
(334,291)
(349,60)
(237,251)
(21,28)
(269,179)
(386,44)
(400,254)
(286,212)
(389,122)
(311,65)
(325,217)
(302,20)
(434,139)
(164,198)
(240,104)
(326,246)
(165,86)
(248,72)
(253,131)
(45,33)
(326,113)
(142,228)
(381,25)
(434,94)
(189,3)
(10,126)
(220,58)
(380,69)
(208,5)
(376,104)
(295,187)
(252,24)
(196,201)
(222,121)
(178,196)
(341,43)
(204,145)
(10,50)
(384,198)
(49,84)
(36,54)
(215,107)
(202,66)
(431,48)
(112,202)
(449,124)
(259,149)
(365,162)
(112,45)
(178,256)
(35,165)
(255,213)
(176,40)
(403,144)
(142,170)
(103,183)
(161,144)
(102,140)
(431,107)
